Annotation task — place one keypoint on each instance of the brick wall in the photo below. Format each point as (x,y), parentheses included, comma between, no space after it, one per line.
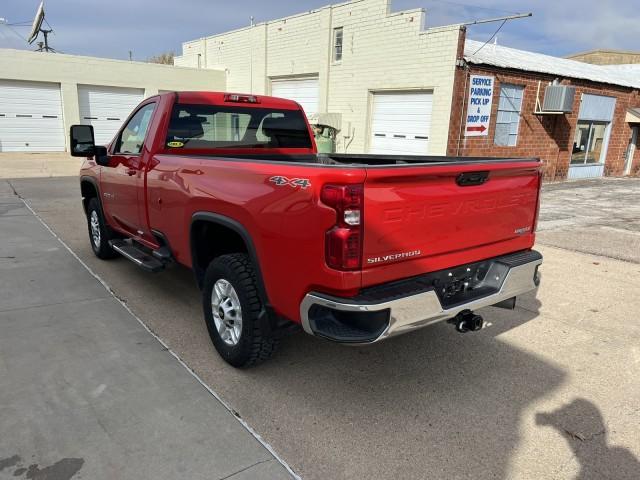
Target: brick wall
(549,137)
(607,57)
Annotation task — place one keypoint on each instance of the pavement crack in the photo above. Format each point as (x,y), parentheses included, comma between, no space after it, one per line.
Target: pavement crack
(245,469)
(15,192)
(53,304)
(583,438)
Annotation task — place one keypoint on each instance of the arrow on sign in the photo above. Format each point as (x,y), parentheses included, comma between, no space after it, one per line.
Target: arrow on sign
(481,128)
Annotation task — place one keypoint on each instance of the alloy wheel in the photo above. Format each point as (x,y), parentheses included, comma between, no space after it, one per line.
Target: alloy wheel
(227,313)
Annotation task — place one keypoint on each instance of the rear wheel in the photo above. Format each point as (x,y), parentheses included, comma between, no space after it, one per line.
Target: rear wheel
(99,233)
(233,311)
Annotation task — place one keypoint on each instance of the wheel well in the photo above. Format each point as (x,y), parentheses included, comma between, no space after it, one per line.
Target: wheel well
(88,191)
(210,240)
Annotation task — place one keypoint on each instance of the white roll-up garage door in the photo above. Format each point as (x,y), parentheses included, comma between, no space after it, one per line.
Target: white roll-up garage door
(106,108)
(301,90)
(401,123)
(30,117)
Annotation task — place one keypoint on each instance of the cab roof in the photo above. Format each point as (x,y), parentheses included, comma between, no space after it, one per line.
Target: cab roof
(228,98)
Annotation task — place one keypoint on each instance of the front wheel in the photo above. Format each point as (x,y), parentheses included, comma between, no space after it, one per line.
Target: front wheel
(233,311)
(99,233)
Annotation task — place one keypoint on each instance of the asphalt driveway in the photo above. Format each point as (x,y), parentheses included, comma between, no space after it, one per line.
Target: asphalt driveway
(549,390)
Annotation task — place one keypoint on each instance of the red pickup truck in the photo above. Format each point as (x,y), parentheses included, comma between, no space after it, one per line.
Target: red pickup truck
(355,248)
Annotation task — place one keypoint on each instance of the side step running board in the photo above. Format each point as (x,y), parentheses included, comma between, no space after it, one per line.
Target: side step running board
(138,256)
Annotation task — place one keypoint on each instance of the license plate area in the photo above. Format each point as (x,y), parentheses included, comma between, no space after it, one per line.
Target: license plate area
(463,284)
(486,278)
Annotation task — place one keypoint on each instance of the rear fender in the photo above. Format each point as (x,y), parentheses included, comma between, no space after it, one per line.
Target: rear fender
(274,323)
(238,228)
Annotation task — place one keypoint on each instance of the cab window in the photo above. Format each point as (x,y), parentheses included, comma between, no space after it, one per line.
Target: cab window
(133,134)
(221,126)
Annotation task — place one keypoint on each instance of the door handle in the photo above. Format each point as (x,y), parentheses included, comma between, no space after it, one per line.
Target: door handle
(131,171)
(472,178)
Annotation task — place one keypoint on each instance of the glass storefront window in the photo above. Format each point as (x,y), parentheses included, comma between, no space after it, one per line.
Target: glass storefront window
(588,142)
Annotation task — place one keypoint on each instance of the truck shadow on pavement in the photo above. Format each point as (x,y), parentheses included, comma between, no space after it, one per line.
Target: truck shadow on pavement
(436,404)
(430,404)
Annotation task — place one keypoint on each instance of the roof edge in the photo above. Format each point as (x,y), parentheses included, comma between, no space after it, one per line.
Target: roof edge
(603,50)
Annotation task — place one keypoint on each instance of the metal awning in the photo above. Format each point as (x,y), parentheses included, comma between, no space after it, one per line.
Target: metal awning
(633,115)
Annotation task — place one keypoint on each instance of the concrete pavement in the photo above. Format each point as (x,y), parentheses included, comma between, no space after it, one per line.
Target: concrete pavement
(38,165)
(549,390)
(599,216)
(86,391)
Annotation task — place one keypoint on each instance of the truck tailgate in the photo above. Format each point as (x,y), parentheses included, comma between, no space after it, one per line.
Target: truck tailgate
(421,218)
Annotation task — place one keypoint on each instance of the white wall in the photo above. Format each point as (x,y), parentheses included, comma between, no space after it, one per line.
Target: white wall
(382,51)
(69,71)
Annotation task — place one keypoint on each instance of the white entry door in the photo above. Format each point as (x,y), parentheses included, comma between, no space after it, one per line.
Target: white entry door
(30,117)
(631,150)
(106,108)
(401,123)
(301,90)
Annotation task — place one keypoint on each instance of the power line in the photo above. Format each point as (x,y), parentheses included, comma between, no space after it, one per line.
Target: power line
(491,38)
(4,35)
(9,36)
(15,31)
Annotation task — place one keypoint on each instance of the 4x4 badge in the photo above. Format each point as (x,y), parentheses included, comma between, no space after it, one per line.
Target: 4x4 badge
(292,182)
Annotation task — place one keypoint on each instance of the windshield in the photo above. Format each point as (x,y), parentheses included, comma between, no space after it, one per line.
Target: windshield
(221,126)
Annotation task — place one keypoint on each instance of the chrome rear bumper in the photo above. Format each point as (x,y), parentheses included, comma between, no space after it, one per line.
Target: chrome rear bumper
(507,277)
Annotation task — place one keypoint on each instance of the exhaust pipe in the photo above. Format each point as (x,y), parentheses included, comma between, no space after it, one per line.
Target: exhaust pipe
(467,321)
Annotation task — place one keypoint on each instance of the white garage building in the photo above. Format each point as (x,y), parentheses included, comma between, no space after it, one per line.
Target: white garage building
(43,94)
(386,78)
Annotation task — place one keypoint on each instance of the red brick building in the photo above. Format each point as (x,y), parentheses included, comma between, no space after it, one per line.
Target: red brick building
(598,136)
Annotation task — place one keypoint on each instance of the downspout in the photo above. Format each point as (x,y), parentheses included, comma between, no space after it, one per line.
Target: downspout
(462,105)
(329,56)
(206,62)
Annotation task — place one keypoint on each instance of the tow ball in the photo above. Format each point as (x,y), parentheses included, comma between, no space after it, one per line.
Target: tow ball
(467,321)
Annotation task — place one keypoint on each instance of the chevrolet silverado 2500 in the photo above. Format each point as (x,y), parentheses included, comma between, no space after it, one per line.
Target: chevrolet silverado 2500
(354,248)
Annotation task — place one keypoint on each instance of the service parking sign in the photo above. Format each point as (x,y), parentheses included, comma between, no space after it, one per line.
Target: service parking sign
(479,108)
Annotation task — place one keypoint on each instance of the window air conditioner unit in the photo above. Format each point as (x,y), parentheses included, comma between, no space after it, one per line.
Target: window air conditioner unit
(558,98)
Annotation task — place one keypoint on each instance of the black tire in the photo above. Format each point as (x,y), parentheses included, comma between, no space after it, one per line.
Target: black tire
(254,344)
(99,245)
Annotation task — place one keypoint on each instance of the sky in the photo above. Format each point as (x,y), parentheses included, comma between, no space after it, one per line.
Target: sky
(149,27)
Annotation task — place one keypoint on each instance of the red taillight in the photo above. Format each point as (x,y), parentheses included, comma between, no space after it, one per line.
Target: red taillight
(234,97)
(343,243)
(535,218)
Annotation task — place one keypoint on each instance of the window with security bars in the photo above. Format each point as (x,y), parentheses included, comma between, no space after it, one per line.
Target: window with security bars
(337,44)
(509,108)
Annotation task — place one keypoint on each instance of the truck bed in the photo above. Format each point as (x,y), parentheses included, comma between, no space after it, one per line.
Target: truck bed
(420,213)
(347,159)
